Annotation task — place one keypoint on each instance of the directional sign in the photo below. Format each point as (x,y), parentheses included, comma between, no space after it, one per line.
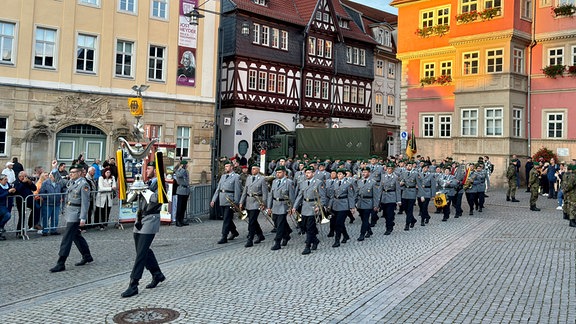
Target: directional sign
(404,135)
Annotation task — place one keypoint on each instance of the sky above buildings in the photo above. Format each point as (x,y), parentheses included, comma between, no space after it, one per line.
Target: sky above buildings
(378,4)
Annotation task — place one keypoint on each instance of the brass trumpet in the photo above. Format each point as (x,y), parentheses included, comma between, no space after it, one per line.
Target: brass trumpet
(242,214)
(263,209)
(323,219)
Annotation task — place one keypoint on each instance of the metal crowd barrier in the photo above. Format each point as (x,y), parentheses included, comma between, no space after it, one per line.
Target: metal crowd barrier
(199,202)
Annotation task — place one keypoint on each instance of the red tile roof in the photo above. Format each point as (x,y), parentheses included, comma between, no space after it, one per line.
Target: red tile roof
(372,14)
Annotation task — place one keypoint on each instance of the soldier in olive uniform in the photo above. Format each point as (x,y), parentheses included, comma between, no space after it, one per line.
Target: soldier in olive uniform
(282,190)
(228,191)
(367,201)
(253,199)
(145,229)
(342,201)
(569,189)
(182,191)
(311,197)
(426,190)
(390,196)
(512,176)
(76,212)
(534,185)
(408,181)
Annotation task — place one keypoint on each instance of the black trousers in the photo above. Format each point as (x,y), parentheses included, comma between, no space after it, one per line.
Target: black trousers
(145,257)
(374,217)
(181,204)
(341,231)
(228,225)
(311,229)
(388,214)
(408,205)
(365,217)
(71,235)
(253,225)
(446,209)
(283,230)
(457,202)
(423,207)
(472,199)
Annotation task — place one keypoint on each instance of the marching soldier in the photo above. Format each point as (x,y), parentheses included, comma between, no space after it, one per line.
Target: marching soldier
(390,196)
(321,174)
(512,176)
(408,182)
(353,180)
(281,195)
(342,201)
(426,190)
(367,201)
(311,197)
(534,185)
(447,183)
(470,190)
(376,171)
(76,211)
(480,185)
(254,198)
(182,191)
(459,174)
(227,192)
(329,193)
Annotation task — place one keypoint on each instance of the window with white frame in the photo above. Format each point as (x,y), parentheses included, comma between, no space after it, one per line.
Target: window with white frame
(348,54)
(446,68)
(494,60)
(311,45)
(182,141)
(320,47)
(526,9)
(556,56)
(343,23)
(262,80)
(86,53)
(260,2)
(275,38)
(361,95)
(355,56)
(390,110)
(325,90)
(387,38)
(328,49)
(443,16)
(493,120)
(252,79)
(573,55)
(429,70)
(469,122)
(271,82)
(309,85)
(281,80)
(317,88)
(265,36)
(256,33)
(378,104)
(379,67)
(127,5)
(445,126)
(518,60)
(346,93)
(517,122)
(90,2)
(353,94)
(156,58)
(555,125)
(492,4)
(362,58)
(284,40)
(470,63)
(3,135)
(427,18)
(124,52)
(7,34)
(391,70)
(468,5)
(160,9)
(428,126)
(45,48)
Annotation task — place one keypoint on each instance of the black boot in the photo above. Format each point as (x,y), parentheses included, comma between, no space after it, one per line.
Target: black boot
(422,222)
(315,245)
(572,223)
(276,245)
(407,227)
(223,240)
(85,259)
(132,289)
(336,240)
(59,265)
(515,200)
(306,250)
(534,208)
(565,216)
(233,235)
(388,231)
(249,243)
(156,279)
(330,234)
(361,238)
(259,239)
(507,198)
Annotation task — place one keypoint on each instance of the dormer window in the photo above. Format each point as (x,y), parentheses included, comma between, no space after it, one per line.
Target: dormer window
(343,23)
(260,2)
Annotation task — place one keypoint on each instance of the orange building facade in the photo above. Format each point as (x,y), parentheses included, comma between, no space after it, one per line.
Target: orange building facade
(472,79)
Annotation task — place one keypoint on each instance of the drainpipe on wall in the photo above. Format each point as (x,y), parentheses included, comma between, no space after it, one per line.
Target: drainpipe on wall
(529,90)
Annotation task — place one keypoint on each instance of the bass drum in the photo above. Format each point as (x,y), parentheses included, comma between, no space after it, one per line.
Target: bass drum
(440,200)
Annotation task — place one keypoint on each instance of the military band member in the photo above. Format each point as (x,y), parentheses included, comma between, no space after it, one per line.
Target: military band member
(367,201)
(350,177)
(254,198)
(408,182)
(329,193)
(76,212)
(376,171)
(281,195)
(446,184)
(227,192)
(311,197)
(144,233)
(390,196)
(426,190)
(480,185)
(470,189)
(342,201)
(459,174)
(534,185)
(182,191)
(321,174)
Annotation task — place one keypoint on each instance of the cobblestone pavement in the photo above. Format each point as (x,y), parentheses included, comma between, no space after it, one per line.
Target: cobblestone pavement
(507,264)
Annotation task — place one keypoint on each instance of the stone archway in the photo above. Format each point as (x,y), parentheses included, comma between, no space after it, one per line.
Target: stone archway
(262,137)
(80,138)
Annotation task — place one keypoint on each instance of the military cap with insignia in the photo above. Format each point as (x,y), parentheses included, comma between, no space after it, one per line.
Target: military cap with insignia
(227,162)
(366,169)
(391,165)
(151,163)
(309,168)
(75,166)
(281,168)
(255,165)
(341,170)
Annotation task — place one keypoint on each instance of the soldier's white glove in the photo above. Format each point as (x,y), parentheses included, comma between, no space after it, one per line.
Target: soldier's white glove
(147,194)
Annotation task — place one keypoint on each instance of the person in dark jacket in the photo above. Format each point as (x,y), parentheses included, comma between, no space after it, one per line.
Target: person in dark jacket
(25,188)
(529,165)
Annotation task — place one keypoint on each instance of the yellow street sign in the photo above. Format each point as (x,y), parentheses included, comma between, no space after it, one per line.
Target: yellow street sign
(136,106)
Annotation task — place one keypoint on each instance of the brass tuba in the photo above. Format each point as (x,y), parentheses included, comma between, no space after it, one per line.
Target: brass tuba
(242,214)
(323,219)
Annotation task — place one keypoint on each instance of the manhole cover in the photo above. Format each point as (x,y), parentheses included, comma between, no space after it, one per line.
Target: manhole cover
(146,315)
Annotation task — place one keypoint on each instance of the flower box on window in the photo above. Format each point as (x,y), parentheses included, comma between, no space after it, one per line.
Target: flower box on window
(427,80)
(553,71)
(489,13)
(444,79)
(572,70)
(467,17)
(439,30)
(566,9)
